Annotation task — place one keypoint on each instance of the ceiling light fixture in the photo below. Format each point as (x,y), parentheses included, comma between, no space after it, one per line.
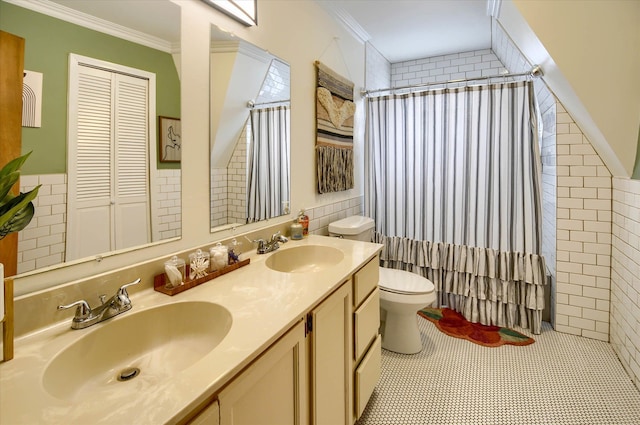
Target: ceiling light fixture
(244,11)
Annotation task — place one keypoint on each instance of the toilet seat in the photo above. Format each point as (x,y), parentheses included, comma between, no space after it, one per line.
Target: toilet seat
(404,283)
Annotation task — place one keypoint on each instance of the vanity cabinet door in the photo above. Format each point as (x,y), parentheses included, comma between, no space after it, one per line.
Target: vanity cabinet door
(273,389)
(331,353)
(210,415)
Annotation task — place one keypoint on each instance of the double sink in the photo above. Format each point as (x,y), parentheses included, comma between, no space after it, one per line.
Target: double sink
(161,360)
(159,342)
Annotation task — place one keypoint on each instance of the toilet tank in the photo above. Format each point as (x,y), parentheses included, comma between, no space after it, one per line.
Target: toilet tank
(356,227)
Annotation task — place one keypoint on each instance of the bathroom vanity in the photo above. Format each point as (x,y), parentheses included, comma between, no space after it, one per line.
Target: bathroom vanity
(282,340)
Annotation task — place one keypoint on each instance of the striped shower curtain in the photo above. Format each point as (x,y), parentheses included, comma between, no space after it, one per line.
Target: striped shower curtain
(268,183)
(453,184)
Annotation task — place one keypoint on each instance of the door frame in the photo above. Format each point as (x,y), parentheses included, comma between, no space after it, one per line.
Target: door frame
(75,63)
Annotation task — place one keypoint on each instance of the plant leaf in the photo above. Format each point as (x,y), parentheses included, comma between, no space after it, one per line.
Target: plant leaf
(19,221)
(14,207)
(14,165)
(6,183)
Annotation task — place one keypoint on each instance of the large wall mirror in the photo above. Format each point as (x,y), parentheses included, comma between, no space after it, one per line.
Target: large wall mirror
(250,133)
(110,72)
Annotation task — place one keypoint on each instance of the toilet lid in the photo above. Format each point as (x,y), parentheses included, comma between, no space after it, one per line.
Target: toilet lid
(403,282)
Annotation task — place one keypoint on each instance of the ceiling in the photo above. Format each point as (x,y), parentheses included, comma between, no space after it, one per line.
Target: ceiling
(413,29)
(399,29)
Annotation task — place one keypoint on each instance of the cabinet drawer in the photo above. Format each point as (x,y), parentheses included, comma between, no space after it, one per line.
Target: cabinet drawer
(366,321)
(365,280)
(367,375)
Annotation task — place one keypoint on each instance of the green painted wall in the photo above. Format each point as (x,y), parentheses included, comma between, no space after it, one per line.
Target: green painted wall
(48,43)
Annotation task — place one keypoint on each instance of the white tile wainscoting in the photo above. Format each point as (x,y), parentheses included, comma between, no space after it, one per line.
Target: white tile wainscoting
(42,243)
(583,234)
(625,275)
(321,216)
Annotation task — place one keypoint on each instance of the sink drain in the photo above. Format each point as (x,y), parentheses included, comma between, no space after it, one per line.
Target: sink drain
(128,374)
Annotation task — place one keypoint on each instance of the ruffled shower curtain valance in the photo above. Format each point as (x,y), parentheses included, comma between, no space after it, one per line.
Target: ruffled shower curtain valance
(453,186)
(486,286)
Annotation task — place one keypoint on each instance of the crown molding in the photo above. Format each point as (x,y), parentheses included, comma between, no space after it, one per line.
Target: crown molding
(345,18)
(91,22)
(239,46)
(224,46)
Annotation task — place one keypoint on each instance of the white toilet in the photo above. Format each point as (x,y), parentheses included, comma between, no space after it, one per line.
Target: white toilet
(402,293)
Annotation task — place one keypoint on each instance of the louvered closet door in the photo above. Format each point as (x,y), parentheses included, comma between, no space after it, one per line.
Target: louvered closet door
(131,185)
(108,156)
(89,211)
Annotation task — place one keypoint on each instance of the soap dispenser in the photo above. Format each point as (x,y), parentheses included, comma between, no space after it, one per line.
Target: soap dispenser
(303,219)
(296,230)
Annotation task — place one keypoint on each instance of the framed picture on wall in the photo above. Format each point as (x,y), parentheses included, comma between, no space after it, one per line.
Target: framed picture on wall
(170,140)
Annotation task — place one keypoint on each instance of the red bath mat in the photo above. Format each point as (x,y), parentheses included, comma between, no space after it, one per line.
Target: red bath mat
(454,324)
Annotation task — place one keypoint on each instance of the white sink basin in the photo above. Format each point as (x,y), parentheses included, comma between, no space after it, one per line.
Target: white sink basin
(146,347)
(304,259)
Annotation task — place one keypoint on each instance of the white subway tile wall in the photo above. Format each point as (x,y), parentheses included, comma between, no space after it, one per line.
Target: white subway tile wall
(219,198)
(42,243)
(549,207)
(515,62)
(583,234)
(237,180)
(276,86)
(229,186)
(625,275)
(506,50)
(478,63)
(377,69)
(169,194)
(321,216)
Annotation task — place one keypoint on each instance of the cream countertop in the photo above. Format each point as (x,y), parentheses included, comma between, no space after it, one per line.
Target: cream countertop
(264,304)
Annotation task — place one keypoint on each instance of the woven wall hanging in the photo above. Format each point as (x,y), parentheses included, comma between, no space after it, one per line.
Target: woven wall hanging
(334,131)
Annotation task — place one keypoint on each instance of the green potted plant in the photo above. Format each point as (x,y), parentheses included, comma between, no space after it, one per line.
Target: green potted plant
(16,211)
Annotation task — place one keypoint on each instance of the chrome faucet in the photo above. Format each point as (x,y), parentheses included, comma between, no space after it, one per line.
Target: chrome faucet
(85,316)
(271,245)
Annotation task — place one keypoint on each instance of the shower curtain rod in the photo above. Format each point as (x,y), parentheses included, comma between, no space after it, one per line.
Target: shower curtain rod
(252,105)
(535,72)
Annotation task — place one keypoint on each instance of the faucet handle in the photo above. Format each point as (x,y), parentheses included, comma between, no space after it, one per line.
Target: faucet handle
(261,243)
(122,297)
(123,288)
(274,237)
(82,310)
